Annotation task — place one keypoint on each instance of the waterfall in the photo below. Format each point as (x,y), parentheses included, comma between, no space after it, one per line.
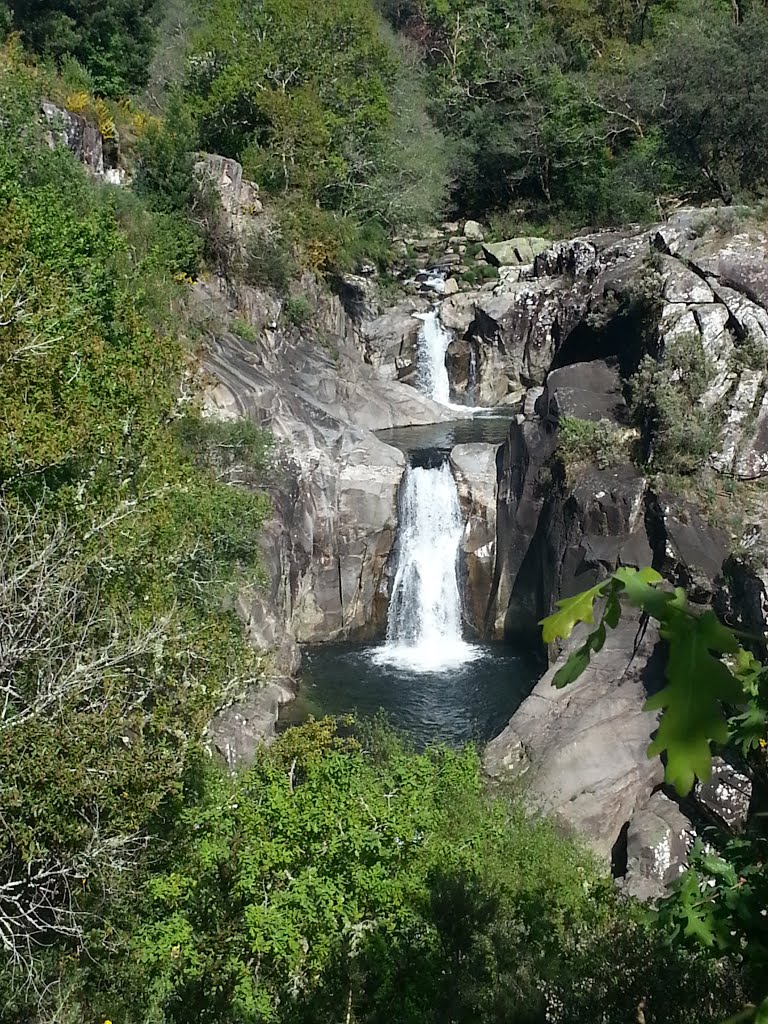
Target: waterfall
(472,374)
(432,374)
(424,620)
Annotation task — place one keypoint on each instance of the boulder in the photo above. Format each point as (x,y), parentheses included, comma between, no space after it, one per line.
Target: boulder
(575,258)
(515,251)
(239,197)
(659,837)
(80,137)
(360,296)
(584,391)
(473,231)
(524,482)
(727,795)
(688,550)
(580,752)
(458,311)
(682,285)
(236,732)
(747,274)
(393,337)
(586,525)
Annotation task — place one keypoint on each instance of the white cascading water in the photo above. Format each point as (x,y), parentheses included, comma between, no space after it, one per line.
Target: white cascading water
(424,620)
(432,373)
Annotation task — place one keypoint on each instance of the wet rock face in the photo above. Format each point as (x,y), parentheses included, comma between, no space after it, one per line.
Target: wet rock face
(474,468)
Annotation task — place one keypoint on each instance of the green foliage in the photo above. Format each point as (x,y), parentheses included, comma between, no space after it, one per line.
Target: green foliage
(699,682)
(113,39)
(119,547)
(666,403)
(712,73)
(347,877)
(601,443)
(563,110)
(297,310)
(165,170)
(221,444)
(268,261)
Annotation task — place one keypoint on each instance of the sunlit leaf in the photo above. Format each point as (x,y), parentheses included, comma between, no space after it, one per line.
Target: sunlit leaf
(698,683)
(571,611)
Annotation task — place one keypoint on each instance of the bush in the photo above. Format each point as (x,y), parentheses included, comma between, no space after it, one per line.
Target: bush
(268,261)
(601,443)
(165,168)
(346,877)
(679,431)
(113,39)
(297,310)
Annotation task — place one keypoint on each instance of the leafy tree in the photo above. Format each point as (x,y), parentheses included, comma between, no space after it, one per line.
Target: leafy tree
(118,551)
(336,125)
(709,93)
(345,877)
(113,39)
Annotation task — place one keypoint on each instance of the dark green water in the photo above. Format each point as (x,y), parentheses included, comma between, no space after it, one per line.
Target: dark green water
(473,701)
(490,428)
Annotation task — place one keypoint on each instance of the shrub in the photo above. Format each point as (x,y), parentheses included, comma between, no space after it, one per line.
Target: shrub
(297,310)
(601,443)
(165,170)
(345,876)
(666,403)
(221,443)
(268,261)
(245,330)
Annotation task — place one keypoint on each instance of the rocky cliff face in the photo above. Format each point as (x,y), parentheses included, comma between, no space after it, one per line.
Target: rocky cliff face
(336,507)
(572,332)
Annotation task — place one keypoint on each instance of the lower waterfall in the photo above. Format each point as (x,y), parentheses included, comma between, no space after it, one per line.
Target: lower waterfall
(424,622)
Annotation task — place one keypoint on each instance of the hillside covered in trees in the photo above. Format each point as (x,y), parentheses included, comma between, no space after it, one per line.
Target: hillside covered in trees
(345,876)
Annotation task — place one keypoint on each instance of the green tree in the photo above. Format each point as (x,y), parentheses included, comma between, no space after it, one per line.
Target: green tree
(113,39)
(345,877)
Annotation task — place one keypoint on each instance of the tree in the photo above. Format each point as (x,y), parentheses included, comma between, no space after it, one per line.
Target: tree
(113,39)
(710,79)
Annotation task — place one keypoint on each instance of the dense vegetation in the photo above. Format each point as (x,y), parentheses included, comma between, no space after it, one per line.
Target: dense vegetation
(560,110)
(117,545)
(596,111)
(344,877)
(114,39)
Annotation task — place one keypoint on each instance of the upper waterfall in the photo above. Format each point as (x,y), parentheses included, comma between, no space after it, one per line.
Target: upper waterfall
(432,375)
